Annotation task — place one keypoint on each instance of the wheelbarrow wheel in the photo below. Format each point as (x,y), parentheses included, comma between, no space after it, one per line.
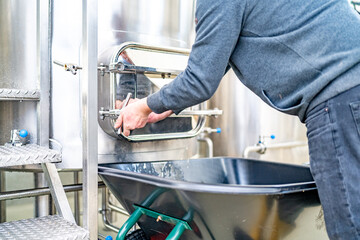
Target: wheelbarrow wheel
(136,235)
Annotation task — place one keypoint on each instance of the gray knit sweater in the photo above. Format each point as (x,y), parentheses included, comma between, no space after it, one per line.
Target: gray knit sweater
(293,54)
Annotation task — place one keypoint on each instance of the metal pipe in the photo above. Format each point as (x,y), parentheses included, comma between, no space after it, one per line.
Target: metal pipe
(210,145)
(89,115)
(2,204)
(104,211)
(262,147)
(40,191)
(117,209)
(41,202)
(107,224)
(76,200)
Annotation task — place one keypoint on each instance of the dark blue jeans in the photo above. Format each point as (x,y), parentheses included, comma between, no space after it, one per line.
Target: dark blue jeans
(333,130)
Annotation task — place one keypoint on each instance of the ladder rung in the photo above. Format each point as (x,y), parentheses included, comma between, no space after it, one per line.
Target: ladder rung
(27,154)
(7,94)
(49,227)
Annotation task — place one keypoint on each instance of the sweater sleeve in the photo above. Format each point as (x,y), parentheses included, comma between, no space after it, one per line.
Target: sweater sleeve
(217,32)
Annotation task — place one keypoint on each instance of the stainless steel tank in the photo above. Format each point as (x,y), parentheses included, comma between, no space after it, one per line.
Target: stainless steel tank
(159,23)
(18,58)
(247,119)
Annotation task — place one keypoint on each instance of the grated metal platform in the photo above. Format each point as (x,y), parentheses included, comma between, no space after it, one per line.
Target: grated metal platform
(49,227)
(27,154)
(19,94)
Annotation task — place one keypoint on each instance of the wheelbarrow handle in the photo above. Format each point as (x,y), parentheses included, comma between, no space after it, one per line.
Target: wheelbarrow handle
(180,225)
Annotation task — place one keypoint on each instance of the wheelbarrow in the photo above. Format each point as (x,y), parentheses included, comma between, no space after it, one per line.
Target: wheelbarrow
(217,198)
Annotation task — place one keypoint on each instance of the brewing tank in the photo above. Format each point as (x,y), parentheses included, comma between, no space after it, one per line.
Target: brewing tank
(157,23)
(18,61)
(246,120)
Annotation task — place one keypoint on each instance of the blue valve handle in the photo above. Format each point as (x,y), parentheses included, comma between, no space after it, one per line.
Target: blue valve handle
(262,138)
(23,133)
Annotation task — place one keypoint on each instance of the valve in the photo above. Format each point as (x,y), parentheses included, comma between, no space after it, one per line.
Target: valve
(211,130)
(262,144)
(262,138)
(19,137)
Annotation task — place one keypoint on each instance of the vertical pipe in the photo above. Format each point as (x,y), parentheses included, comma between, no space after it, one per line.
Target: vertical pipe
(76,199)
(2,203)
(41,202)
(89,115)
(43,107)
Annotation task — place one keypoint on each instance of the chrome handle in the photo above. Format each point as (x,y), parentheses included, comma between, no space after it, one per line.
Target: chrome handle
(114,113)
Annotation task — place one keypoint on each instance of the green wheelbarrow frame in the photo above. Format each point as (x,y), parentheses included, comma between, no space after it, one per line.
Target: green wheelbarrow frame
(180,225)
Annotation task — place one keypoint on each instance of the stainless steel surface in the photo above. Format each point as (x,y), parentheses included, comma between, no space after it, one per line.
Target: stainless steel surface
(66,99)
(57,191)
(27,154)
(18,41)
(76,199)
(114,113)
(19,94)
(166,24)
(106,214)
(44,34)
(246,117)
(209,145)
(117,209)
(230,198)
(158,22)
(262,147)
(118,80)
(25,193)
(2,189)
(118,151)
(41,202)
(49,227)
(89,135)
(167,136)
(18,115)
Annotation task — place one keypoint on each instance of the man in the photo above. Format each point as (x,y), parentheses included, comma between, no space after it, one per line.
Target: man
(300,57)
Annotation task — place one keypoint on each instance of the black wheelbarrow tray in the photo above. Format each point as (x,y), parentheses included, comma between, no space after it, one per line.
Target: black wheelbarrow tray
(217,198)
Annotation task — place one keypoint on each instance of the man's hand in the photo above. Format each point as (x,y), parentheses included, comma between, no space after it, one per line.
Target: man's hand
(134,115)
(154,117)
(119,103)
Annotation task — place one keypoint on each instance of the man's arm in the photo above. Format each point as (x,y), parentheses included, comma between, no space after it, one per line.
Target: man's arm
(217,33)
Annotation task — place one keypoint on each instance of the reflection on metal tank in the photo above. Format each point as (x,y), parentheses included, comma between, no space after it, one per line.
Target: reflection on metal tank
(154,22)
(18,57)
(246,118)
(160,23)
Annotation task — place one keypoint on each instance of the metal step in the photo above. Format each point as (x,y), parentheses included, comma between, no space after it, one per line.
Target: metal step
(49,227)
(27,154)
(7,94)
